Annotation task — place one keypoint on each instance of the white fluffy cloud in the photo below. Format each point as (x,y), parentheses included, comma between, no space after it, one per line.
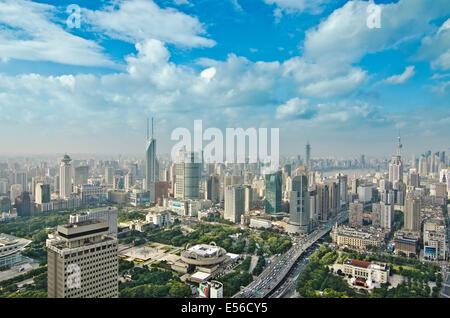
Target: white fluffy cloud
(293,6)
(139,20)
(295,108)
(27,33)
(436,47)
(400,78)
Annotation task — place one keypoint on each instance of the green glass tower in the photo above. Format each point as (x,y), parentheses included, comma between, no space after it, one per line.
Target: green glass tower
(273,192)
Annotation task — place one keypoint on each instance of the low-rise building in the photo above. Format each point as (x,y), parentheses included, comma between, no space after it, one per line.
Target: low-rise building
(365,274)
(406,242)
(357,238)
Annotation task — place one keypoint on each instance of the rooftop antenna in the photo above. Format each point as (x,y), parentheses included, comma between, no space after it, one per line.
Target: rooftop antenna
(147,128)
(399,144)
(152,127)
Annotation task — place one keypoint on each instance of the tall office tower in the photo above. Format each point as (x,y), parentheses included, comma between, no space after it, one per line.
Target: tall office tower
(4,186)
(412,220)
(187,176)
(413,162)
(355,184)
(65,177)
(396,167)
(109,176)
(355,216)
(20,177)
(376,214)
(151,166)
(287,169)
(322,202)
(308,155)
(15,191)
(299,206)
(363,161)
(82,261)
(161,191)
(343,180)
(273,192)
(129,181)
(414,179)
(233,180)
(234,203)
(118,183)
(23,204)
(387,216)
(335,199)
(81,175)
(5,204)
(212,186)
(442,158)
(107,214)
(248,198)
(42,193)
(34,182)
(423,166)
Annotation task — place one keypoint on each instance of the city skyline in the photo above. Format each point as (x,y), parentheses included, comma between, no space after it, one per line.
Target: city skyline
(234,64)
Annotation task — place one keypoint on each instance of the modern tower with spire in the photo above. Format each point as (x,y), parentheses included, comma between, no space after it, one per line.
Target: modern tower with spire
(151,164)
(396,166)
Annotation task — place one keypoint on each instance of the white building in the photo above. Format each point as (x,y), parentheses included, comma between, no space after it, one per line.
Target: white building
(65,178)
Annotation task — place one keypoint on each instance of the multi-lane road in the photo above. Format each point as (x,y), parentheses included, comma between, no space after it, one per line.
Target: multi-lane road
(272,277)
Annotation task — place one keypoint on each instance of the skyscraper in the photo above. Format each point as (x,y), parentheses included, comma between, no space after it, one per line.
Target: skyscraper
(412,220)
(212,188)
(65,177)
(273,192)
(355,216)
(42,194)
(151,170)
(308,154)
(81,175)
(396,167)
(234,203)
(299,205)
(187,176)
(82,261)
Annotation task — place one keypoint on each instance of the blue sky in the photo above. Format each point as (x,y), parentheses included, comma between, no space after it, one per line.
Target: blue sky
(312,68)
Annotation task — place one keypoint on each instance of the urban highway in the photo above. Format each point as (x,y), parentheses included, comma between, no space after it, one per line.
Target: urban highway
(269,280)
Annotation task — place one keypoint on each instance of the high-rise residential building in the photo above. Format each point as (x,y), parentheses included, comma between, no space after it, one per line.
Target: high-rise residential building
(273,192)
(335,200)
(308,155)
(23,204)
(387,216)
(129,181)
(187,176)
(248,198)
(20,177)
(396,166)
(81,175)
(299,205)
(376,214)
(42,193)
(65,177)
(414,179)
(355,216)
(82,261)
(109,176)
(412,221)
(322,202)
(365,193)
(151,166)
(212,186)
(423,166)
(343,180)
(161,191)
(234,203)
(15,191)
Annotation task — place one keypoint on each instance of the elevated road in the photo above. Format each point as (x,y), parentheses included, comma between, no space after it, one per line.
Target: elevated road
(272,277)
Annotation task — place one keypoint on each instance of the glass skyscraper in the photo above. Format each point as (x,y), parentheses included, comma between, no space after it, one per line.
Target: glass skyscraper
(273,192)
